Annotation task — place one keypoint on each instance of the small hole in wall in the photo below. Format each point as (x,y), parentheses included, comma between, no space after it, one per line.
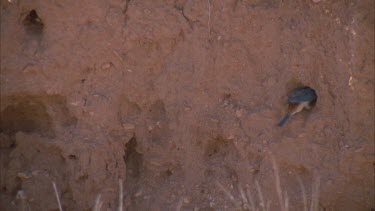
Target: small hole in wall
(33,23)
(133,159)
(32,18)
(72,157)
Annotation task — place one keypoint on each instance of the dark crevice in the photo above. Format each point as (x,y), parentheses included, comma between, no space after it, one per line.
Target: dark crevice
(126,7)
(28,116)
(33,19)
(133,159)
(33,23)
(180,9)
(72,157)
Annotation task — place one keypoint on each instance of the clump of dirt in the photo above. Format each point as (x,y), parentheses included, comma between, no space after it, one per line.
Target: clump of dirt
(180,101)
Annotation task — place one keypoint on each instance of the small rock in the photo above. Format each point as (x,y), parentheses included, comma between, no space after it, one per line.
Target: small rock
(159,124)
(231,136)
(239,113)
(187,108)
(253,170)
(316,1)
(24,175)
(139,193)
(75,103)
(128,126)
(187,200)
(106,66)
(21,195)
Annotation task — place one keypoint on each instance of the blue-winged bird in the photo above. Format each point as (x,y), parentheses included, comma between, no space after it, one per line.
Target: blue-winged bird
(298,99)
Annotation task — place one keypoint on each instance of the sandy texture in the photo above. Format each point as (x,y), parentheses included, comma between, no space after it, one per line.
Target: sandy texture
(180,99)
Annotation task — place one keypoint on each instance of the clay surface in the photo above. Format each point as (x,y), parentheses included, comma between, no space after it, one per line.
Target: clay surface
(180,100)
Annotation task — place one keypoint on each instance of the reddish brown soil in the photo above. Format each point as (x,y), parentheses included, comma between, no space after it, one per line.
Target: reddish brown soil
(180,99)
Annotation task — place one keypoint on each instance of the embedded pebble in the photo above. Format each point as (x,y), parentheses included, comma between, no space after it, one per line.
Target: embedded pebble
(24,175)
(128,126)
(231,136)
(239,113)
(139,193)
(106,66)
(187,200)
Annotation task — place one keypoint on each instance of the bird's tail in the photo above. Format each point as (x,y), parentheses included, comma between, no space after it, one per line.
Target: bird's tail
(282,122)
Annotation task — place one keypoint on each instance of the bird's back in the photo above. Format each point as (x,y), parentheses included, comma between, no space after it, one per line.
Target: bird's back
(302,94)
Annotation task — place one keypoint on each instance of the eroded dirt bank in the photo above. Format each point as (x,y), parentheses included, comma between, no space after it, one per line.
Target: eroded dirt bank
(180,99)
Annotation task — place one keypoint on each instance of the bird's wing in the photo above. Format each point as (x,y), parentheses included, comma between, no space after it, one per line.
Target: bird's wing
(301,95)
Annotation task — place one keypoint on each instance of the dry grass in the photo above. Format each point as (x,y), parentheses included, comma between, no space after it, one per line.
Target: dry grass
(57,196)
(209,17)
(98,201)
(246,201)
(283,198)
(303,191)
(121,196)
(179,204)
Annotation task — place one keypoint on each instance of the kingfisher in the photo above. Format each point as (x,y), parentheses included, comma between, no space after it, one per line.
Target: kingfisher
(298,99)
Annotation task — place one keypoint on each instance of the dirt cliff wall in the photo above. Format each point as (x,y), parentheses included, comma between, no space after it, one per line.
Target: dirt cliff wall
(180,99)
